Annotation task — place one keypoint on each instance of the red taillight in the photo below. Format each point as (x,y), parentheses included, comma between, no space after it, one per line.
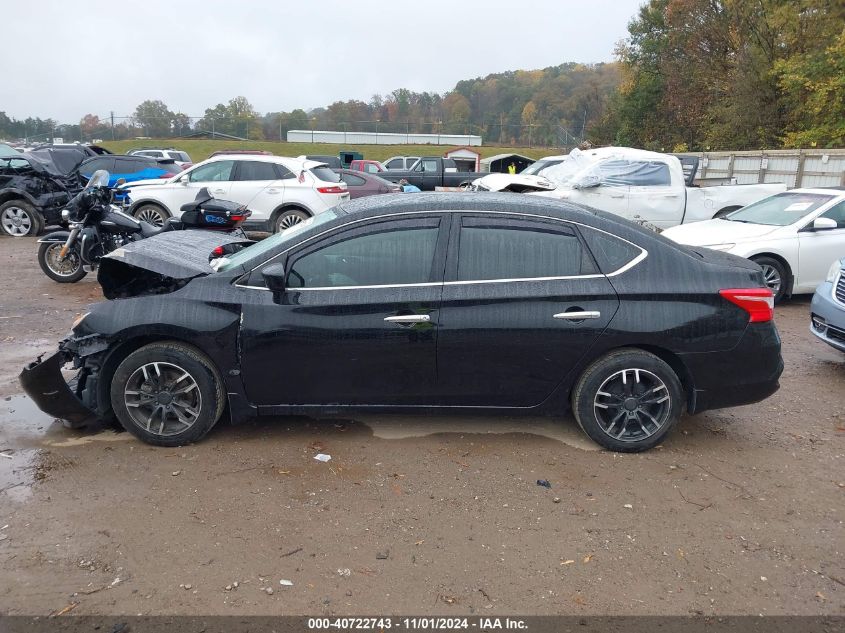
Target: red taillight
(759,303)
(218,252)
(332,189)
(237,218)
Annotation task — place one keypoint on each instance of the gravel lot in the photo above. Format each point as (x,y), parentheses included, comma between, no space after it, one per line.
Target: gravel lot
(739,512)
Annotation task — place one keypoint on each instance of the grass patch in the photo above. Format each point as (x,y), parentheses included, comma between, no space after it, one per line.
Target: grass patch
(201,149)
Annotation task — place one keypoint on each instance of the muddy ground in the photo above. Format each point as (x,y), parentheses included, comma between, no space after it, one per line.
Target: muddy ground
(739,512)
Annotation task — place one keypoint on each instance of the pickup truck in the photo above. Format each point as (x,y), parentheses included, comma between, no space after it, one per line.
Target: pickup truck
(646,186)
(432,172)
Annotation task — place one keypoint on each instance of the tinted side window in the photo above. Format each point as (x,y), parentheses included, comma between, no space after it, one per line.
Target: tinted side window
(518,250)
(397,256)
(352,180)
(97,163)
(396,163)
(836,212)
(610,252)
(429,165)
(218,171)
(130,166)
(254,170)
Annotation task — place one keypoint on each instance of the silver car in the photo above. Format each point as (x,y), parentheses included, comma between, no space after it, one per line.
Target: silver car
(827,311)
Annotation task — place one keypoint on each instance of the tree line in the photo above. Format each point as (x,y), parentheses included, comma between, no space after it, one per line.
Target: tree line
(691,75)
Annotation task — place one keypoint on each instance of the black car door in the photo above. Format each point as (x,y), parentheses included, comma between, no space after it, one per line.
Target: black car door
(357,323)
(522,303)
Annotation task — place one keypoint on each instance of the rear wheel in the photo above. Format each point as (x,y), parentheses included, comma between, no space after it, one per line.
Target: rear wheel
(628,400)
(18,218)
(65,271)
(167,394)
(289,218)
(151,214)
(775,275)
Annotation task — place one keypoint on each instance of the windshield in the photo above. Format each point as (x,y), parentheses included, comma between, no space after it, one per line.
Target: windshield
(268,244)
(99,179)
(540,165)
(781,209)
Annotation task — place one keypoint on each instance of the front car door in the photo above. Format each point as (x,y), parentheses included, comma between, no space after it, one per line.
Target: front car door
(523,302)
(818,249)
(656,194)
(357,323)
(216,176)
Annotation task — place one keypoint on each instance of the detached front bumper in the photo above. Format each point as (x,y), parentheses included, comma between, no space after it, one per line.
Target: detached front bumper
(42,380)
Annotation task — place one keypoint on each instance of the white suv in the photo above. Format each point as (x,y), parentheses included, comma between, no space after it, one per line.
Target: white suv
(180,158)
(279,191)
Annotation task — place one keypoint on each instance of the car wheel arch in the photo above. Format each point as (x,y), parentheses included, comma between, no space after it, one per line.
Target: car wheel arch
(790,275)
(148,202)
(289,207)
(670,358)
(18,194)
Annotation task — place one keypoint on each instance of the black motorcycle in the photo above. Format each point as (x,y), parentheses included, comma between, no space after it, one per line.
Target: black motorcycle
(98,226)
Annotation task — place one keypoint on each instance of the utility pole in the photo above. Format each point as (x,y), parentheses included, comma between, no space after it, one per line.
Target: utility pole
(112,124)
(501,126)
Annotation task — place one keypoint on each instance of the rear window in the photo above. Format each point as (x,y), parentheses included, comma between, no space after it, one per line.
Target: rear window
(182,156)
(611,253)
(325,174)
(170,168)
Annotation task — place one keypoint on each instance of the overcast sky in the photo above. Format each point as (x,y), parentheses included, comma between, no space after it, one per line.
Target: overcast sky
(73,58)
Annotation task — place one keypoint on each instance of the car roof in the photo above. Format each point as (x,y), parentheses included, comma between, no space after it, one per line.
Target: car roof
(835,191)
(466,201)
(263,158)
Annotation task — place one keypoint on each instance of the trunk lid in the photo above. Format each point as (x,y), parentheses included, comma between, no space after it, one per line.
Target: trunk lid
(160,264)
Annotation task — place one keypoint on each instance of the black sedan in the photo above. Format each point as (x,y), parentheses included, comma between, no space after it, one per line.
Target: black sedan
(446,302)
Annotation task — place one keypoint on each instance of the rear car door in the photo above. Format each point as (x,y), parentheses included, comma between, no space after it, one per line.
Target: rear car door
(523,301)
(259,186)
(357,323)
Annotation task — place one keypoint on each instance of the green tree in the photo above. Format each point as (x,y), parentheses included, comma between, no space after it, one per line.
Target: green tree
(154,118)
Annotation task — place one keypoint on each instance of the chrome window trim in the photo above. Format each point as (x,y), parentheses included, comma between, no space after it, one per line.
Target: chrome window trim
(643,254)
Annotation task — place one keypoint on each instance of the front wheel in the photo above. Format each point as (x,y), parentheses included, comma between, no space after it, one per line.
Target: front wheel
(19,218)
(167,394)
(628,400)
(151,214)
(774,274)
(66,271)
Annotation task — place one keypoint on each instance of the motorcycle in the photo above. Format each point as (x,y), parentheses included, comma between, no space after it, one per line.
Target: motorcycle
(98,227)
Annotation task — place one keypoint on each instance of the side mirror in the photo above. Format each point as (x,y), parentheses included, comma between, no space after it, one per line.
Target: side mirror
(586,182)
(120,181)
(274,277)
(184,180)
(824,224)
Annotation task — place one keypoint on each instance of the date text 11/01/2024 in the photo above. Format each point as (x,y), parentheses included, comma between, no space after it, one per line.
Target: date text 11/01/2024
(416,623)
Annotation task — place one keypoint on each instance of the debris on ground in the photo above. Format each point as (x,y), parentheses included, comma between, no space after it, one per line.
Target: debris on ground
(544,482)
(629,506)
(286,583)
(176,473)
(344,572)
(383,555)
(322,457)
(268,591)
(556,499)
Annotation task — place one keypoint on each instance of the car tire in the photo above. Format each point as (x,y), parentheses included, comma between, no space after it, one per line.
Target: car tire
(67,275)
(151,214)
(18,218)
(628,400)
(775,275)
(167,394)
(289,218)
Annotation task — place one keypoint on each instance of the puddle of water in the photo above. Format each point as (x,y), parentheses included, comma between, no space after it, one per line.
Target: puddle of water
(23,425)
(405,426)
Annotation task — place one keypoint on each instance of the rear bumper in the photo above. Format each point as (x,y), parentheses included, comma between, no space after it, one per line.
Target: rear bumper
(42,380)
(748,373)
(827,318)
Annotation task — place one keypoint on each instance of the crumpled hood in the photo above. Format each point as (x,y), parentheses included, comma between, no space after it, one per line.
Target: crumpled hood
(713,232)
(513,182)
(160,264)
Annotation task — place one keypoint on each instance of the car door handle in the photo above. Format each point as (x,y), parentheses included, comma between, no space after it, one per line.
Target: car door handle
(218,191)
(578,316)
(274,191)
(408,318)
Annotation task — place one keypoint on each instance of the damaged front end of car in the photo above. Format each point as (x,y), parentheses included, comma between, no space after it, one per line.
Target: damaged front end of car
(74,401)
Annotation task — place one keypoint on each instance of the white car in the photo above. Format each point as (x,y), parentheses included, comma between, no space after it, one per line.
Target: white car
(793,236)
(279,191)
(180,158)
(529,179)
